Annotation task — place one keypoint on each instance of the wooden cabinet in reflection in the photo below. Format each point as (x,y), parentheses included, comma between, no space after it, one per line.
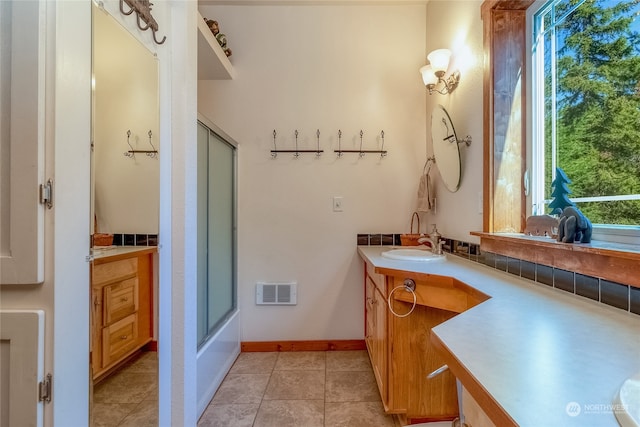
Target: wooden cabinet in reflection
(121,308)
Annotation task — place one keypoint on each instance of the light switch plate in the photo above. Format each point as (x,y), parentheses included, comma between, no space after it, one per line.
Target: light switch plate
(337,203)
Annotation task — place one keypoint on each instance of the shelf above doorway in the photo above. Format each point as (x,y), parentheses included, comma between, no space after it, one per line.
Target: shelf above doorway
(213,64)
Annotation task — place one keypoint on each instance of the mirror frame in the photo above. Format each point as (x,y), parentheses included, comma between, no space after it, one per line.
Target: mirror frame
(445,148)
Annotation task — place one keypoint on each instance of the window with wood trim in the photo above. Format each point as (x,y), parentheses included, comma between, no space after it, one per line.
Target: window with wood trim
(586,106)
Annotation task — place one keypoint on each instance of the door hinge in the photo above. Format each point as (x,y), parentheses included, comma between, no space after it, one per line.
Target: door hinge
(46,194)
(44,388)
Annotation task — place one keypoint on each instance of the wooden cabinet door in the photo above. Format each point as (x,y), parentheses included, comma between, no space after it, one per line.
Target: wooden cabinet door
(381,343)
(370,316)
(96,330)
(376,334)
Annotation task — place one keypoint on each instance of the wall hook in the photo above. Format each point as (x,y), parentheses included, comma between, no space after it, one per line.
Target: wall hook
(140,26)
(122,9)
(318,152)
(142,8)
(274,152)
(131,152)
(154,153)
(360,151)
(297,151)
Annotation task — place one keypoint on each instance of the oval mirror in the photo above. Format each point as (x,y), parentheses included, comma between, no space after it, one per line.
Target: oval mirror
(445,148)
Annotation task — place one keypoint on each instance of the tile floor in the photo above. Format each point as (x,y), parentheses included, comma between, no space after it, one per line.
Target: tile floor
(130,397)
(305,389)
(288,389)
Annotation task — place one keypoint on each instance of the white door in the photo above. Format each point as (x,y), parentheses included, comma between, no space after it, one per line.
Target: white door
(22,76)
(45,88)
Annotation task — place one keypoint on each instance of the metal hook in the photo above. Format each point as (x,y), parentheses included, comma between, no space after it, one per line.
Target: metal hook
(382,152)
(296,154)
(361,134)
(318,145)
(339,143)
(156,40)
(427,165)
(274,152)
(143,12)
(140,26)
(129,153)
(122,9)
(153,154)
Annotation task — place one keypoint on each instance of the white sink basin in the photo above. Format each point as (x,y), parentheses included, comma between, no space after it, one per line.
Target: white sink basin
(627,403)
(413,255)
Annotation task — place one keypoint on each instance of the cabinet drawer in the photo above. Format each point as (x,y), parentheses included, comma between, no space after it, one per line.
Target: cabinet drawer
(119,338)
(120,300)
(114,271)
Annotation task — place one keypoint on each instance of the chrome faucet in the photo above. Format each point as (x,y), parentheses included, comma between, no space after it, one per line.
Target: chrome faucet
(436,241)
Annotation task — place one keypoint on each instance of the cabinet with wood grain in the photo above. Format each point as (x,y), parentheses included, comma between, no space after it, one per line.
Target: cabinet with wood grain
(121,308)
(399,346)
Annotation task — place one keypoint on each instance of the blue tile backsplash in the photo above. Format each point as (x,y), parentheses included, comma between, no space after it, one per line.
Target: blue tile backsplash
(614,294)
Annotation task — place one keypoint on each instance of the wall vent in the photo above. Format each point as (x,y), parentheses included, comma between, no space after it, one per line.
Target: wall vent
(276,293)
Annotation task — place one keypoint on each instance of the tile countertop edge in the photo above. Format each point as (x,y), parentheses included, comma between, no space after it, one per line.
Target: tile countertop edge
(532,350)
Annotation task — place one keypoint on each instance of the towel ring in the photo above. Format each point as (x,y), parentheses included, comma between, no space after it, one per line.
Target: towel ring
(407,288)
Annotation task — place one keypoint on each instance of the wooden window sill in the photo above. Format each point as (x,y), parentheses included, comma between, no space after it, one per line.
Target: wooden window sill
(617,262)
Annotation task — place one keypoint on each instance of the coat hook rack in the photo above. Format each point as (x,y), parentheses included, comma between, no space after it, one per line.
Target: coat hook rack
(296,152)
(132,152)
(142,8)
(360,152)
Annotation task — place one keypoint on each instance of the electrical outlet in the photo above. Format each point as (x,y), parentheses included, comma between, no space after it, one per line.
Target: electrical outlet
(337,203)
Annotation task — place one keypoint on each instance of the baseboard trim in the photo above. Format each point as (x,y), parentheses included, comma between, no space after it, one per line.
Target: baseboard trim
(151,346)
(318,345)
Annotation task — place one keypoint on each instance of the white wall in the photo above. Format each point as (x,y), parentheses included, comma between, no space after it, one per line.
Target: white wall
(461,31)
(318,67)
(125,99)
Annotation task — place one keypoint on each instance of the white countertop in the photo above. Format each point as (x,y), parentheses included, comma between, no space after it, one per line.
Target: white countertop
(536,350)
(110,251)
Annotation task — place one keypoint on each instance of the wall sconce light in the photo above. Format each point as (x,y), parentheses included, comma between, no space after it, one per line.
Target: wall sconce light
(433,73)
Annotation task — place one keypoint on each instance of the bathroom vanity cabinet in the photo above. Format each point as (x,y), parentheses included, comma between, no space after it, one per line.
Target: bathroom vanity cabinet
(121,306)
(400,347)
(503,350)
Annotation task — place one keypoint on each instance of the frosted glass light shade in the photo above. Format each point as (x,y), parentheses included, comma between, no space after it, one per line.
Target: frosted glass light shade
(439,60)
(427,75)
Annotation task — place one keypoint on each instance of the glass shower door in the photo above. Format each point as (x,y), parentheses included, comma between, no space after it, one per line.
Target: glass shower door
(216,232)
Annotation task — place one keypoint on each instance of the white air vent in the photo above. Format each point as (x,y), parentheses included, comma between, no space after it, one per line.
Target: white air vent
(276,293)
